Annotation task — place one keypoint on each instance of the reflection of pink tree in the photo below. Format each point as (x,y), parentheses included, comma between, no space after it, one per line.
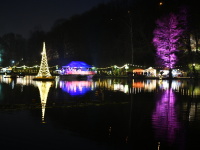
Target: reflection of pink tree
(165,118)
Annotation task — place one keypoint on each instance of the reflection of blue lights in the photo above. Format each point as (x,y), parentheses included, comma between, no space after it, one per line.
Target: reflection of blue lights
(76,91)
(75,88)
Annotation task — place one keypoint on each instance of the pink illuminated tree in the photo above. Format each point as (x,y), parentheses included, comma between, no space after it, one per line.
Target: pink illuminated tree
(167,34)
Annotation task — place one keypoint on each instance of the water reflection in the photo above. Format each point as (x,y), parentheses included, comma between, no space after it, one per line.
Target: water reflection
(75,88)
(43,87)
(165,116)
(176,105)
(185,87)
(27,80)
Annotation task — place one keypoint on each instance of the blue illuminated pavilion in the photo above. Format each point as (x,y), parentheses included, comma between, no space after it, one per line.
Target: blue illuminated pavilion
(77,68)
(78,64)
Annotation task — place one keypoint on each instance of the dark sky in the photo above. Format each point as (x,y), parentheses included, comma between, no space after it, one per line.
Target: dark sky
(21,16)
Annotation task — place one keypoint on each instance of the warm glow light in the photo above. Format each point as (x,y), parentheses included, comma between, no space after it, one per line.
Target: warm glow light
(138,84)
(44,69)
(44,90)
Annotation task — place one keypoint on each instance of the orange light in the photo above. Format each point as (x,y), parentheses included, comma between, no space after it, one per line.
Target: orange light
(138,85)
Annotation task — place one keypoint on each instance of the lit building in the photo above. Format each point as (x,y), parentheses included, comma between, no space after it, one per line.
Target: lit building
(77,68)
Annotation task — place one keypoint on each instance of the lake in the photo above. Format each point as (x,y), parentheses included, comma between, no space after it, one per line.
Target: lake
(101,114)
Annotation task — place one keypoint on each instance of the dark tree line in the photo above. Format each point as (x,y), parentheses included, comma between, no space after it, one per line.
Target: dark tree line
(109,34)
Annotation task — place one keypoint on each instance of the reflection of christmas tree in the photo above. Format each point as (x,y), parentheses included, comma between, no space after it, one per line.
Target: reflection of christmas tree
(43,87)
(44,69)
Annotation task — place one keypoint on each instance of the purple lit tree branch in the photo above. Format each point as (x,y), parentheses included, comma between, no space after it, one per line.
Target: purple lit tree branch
(166,40)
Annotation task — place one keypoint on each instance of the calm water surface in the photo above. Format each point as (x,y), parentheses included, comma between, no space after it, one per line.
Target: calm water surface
(105,114)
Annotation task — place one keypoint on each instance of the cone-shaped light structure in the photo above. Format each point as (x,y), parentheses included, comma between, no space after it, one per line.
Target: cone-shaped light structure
(44,73)
(43,87)
(44,69)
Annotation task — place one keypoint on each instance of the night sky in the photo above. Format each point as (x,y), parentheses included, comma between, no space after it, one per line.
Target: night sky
(22,16)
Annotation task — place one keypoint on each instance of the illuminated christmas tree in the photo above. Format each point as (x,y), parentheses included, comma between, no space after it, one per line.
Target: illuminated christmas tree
(44,73)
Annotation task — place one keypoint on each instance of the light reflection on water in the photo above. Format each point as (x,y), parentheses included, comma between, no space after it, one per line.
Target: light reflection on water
(43,87)
(75,88)
(185,87)
(165,118)
(168,114)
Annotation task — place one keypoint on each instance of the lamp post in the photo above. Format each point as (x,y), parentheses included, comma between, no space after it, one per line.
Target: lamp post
(131,35)
(129,24)
(13,62)
(126,67)
(194,71)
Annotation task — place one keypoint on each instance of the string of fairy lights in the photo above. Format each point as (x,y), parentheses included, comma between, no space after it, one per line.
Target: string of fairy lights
(127,66)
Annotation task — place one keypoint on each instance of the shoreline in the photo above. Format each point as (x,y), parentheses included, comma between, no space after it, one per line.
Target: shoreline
(132,77)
